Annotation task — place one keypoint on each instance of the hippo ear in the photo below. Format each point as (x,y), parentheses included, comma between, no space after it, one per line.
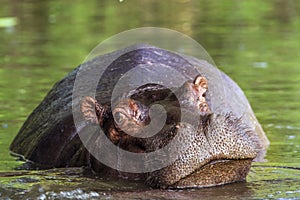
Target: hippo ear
(200,83)
(91,110)
(201,86)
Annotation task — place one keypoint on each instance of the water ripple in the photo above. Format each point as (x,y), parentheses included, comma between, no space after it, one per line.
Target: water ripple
(284,127)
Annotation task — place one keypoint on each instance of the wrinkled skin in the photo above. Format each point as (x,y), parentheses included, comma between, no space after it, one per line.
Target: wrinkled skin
(228,136)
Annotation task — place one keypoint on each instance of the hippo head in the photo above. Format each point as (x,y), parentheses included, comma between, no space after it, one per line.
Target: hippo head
(221,150)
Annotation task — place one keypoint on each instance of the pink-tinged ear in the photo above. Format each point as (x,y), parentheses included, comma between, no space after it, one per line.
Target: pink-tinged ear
(90,110)
(200,83)
(201,86)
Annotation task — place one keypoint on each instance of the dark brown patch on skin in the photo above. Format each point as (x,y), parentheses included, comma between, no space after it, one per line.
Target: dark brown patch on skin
(114,135)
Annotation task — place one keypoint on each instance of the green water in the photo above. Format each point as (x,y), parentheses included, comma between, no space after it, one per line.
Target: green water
(257,43)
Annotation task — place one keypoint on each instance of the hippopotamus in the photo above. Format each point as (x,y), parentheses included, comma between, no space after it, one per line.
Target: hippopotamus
(75,126)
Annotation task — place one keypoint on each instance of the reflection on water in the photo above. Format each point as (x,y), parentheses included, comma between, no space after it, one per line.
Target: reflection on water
(263,182)
(255,42)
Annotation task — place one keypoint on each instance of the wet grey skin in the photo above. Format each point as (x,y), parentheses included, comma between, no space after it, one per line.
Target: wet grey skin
(228,137)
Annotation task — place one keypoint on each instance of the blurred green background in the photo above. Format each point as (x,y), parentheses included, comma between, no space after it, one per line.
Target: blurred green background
(257,43)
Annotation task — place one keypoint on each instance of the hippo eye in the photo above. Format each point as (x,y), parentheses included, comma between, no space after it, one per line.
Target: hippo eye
(119,118)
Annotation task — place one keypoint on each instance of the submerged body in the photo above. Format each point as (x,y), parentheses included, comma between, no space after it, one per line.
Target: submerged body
(226,140)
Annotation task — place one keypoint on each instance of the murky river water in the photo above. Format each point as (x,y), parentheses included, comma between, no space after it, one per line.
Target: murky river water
(257,43)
